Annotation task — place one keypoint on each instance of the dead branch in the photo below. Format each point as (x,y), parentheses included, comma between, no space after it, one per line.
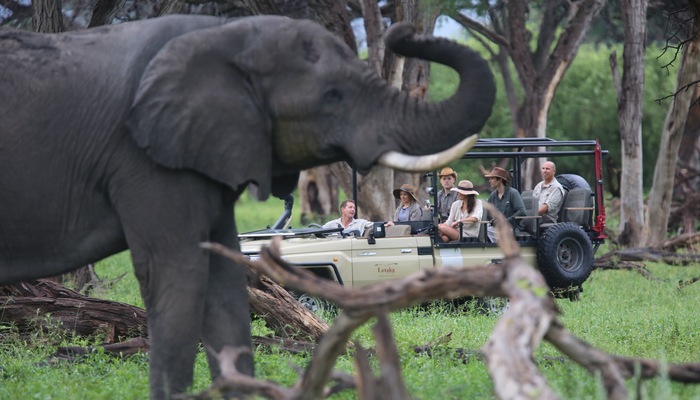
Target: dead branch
(509,352)
(687,241)
(121,349)
(530,318)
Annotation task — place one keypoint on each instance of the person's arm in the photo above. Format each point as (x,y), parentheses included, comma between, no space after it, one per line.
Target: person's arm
(476,214)
(542,208)
(453,213)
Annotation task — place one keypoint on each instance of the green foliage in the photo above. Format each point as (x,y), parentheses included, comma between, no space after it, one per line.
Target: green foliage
(585,103)
(252,214)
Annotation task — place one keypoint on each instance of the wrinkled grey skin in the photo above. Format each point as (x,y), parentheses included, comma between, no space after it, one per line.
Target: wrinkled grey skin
(143,135)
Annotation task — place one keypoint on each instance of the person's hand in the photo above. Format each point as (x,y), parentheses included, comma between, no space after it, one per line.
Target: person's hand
(389,223)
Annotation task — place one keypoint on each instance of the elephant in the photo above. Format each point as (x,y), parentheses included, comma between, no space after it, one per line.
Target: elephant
(143,135)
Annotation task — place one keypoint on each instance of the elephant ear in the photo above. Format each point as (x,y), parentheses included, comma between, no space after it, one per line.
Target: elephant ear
(197,107)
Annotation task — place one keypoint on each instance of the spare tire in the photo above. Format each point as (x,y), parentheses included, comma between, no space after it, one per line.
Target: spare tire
(572,181)
(565,255)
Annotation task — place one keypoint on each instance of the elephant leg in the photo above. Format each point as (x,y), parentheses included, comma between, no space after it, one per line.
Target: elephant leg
(227,311)
(173,285)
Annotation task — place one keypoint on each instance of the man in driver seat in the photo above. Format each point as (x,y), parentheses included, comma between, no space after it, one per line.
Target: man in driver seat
(347,219)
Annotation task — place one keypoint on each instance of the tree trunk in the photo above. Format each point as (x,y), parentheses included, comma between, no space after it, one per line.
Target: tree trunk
(104,12)
(661,194)
(47,16)
(318,194)
(630,119)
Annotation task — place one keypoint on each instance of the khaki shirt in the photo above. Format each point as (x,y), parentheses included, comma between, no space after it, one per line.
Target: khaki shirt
(551,194)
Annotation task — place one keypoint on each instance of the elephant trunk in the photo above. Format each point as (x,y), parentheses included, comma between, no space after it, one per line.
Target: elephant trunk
(427,128)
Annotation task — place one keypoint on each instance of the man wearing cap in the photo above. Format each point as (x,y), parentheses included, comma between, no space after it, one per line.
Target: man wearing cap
(549,194)
(506,199)
(446,196)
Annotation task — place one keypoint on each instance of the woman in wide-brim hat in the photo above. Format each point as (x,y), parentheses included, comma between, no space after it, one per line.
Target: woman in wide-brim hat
(467,210)
(506,199)
(408,209)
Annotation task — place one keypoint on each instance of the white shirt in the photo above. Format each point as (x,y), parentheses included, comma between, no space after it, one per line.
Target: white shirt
(469,229)
(355,225)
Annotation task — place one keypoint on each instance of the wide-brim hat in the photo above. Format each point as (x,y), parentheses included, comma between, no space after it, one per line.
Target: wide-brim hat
(447,171)
(498,172)
(406,188)
(465,187)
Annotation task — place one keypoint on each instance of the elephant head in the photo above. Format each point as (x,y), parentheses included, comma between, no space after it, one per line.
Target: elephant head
(296,97)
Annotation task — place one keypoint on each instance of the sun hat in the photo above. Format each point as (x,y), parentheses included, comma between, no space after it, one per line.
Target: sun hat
(465,187)
(406,188)
(498,172)
(447,171)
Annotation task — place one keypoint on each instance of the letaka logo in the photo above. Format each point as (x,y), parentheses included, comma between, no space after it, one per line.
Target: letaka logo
(386,269)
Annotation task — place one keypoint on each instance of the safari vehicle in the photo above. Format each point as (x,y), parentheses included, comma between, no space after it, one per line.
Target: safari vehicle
(562,251)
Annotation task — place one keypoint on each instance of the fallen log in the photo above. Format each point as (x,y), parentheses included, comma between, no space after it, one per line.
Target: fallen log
(649,254)
(27,305)
(285,316)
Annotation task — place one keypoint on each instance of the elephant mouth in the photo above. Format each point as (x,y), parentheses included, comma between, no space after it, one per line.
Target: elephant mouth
(409,163)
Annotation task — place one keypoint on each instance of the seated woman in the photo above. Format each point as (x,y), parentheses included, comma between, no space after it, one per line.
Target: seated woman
(505,198)
(408,209)
(467,209)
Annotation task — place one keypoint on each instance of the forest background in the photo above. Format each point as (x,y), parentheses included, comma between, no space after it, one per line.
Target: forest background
(556,63)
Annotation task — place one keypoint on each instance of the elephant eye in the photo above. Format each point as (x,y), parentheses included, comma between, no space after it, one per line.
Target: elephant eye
(333,96)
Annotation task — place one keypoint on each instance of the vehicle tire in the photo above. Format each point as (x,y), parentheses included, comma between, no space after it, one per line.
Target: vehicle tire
(572,181)
(312,303)
(565,255)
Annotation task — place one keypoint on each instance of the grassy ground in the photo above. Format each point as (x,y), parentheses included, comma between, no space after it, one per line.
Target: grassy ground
(620,312)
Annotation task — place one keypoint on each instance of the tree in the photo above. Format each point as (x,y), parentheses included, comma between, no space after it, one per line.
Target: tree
(47,16)
(630,90)
(676,127)
(562,27)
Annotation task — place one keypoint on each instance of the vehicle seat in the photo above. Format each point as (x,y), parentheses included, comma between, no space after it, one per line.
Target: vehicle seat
(530,220)
(483,237)
(398,230)
(577,207)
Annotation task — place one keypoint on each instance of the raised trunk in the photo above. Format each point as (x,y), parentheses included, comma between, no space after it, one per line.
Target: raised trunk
(452,120)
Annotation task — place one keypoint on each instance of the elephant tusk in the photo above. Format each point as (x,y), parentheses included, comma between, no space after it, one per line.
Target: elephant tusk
(405,162)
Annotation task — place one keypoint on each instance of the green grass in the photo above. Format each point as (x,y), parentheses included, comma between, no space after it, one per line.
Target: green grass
(620,312)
